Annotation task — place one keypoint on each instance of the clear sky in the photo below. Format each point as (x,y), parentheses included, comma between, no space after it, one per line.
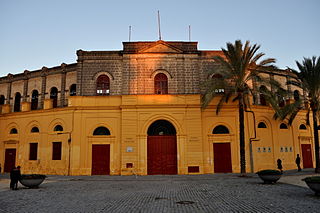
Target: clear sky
(36,33)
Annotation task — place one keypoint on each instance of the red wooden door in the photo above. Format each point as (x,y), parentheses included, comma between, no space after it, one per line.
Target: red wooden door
(222,157)
(162,155)
(306,155)
(10,160)
(100,159)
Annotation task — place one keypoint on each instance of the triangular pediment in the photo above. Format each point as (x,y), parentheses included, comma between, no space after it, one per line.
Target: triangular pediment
(160,47)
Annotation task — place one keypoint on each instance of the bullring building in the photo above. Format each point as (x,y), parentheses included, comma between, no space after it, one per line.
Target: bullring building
(138,111)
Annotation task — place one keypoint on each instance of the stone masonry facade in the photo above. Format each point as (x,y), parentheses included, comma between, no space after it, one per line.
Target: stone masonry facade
(131,71)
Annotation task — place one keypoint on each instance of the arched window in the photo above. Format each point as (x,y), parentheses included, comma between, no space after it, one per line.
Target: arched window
(58,128)
(303,127)
(2,99)
(34,100)
(161,127)
(103,85)
(262,125)
(283,126)
(17,101)
(217,78)
(34,129)
(101,130)
(263,101)
(220,130)
(54,96)
(73,90)
(13,131)
(160,84)
(296,95)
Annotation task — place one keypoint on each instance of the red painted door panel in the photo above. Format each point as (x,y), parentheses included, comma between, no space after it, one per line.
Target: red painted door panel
(100,159)
(162,155)
(306,155)
(222,157)
(10,159)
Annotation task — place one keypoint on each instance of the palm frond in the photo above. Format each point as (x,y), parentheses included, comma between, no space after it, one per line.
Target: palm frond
(224,99)
(308,116)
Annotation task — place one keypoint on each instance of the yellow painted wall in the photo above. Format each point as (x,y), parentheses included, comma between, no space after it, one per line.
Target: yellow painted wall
(128,118)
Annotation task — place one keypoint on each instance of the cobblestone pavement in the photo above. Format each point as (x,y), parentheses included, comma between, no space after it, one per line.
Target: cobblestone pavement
(179,193)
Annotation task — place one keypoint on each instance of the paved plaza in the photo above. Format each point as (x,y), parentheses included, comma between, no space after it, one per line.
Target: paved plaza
(178,193)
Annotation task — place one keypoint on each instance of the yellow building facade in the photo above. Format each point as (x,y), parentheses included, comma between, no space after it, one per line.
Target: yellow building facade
(132,126)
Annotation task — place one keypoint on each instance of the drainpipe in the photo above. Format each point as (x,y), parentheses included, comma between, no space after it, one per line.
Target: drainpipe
(251,140)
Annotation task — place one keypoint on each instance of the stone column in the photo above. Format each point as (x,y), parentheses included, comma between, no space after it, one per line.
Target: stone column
(44,73)
(79,72)
(63,85)
(25,86)
(289,87)
(10,78)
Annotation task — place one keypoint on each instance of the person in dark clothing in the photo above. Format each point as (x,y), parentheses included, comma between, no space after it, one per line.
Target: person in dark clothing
(15,176)
(18,177)
(12,177)
(279,164)
(298,160)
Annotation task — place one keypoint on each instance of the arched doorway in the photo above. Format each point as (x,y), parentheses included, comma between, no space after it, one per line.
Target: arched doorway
(101,153)
(162,149)
(222,151)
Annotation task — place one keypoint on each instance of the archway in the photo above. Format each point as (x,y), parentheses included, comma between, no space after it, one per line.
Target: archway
(34,100)
(162,149)
(54,96)
(222,151)
(17,102)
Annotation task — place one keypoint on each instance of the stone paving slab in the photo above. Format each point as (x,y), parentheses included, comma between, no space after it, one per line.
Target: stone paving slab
(178,193)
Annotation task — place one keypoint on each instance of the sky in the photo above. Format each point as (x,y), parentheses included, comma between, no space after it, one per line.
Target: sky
(37,33)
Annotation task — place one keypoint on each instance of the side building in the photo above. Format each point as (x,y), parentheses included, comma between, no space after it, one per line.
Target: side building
(138,111)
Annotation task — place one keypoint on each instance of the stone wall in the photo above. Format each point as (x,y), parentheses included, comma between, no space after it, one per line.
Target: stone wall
(131,71)
(41,80)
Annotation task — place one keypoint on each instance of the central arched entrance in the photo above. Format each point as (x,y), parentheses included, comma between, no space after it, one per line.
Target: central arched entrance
(162,149)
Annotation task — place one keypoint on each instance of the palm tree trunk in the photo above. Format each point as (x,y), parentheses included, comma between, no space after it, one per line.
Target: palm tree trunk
(242,140)
(316,140)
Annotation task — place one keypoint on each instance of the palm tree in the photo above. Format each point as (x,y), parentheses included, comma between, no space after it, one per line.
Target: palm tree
(238,68)
(308,79)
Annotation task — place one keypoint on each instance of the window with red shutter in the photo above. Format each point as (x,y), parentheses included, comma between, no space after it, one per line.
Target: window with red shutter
(103,85)
(160,84)
(33,151)
(56,150)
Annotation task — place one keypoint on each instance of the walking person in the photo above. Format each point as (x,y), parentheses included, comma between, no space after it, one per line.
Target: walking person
(298,160)
(279,164)
(17,177)
(12,177)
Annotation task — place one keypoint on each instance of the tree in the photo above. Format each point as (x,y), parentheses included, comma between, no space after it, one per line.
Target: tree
(308,80)
(238,68)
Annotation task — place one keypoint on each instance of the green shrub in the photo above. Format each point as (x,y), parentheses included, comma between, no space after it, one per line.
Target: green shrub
(269,172)
(33,176)
(312,179)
